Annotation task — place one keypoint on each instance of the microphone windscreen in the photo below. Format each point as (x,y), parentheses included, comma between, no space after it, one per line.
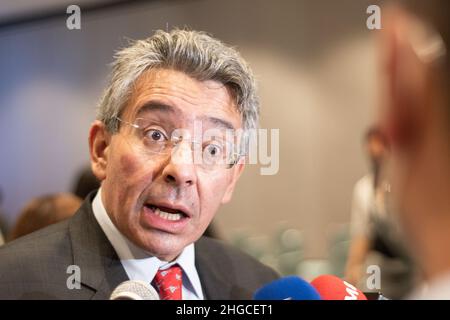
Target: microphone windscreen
(134,290)
(332,288)
(287,288)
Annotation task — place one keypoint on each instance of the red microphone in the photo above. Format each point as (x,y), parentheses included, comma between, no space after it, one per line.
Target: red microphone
(332,288)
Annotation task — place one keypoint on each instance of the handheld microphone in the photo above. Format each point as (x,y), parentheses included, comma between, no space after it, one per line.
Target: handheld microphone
(332,288)
(287,288)
(134,290)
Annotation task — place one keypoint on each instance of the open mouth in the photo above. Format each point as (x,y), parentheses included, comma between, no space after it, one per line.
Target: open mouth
(167,213)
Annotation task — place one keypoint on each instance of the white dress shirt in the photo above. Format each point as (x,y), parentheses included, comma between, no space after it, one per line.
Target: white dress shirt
(141,265)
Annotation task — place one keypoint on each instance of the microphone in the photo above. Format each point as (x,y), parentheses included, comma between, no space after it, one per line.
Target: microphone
(134,290)
(375,296)
(332,288)
(287,288)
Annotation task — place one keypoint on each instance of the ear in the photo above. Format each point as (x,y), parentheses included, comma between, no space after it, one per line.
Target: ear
(99,139)
(406,109)
(235,175)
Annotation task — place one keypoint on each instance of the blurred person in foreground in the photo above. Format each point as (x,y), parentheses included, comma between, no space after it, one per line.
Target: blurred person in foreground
(377,238)
(166,164)
(416,121)
(44,211)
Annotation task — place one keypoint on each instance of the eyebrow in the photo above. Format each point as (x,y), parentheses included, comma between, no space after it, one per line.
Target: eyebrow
(167,108)
(155,106)
(219,122)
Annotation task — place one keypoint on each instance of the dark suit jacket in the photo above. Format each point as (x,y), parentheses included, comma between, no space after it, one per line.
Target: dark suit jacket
(36,266)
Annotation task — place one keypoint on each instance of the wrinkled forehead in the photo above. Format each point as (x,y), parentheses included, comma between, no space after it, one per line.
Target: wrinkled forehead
(175,96)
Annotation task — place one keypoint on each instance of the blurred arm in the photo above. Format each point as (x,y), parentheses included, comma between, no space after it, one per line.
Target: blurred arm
(360,229)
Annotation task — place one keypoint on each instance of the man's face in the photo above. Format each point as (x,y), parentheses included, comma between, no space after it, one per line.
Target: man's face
(164,202)
(376,150)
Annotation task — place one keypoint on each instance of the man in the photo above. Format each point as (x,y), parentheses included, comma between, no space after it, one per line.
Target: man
(376,236)
(416,121)
(166,163)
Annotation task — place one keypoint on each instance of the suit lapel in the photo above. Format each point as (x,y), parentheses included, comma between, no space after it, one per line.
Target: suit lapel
(213,285)
(215,275)
(101,269)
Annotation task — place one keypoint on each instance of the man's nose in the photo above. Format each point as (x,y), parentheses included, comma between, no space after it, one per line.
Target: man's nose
(181,169)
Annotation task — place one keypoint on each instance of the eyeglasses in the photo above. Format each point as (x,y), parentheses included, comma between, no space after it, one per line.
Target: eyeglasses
(210,155)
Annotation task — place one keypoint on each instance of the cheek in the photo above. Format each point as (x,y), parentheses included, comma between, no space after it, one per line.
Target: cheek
(212,191)
(132,176)
(134,170)
(129,165)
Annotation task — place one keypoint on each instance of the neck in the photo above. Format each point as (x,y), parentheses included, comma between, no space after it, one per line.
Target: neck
(432,250)
(429,208)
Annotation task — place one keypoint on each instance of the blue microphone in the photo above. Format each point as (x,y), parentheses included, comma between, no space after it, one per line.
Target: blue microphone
(287,288)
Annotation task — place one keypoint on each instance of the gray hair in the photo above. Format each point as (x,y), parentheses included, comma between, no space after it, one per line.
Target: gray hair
(195,53)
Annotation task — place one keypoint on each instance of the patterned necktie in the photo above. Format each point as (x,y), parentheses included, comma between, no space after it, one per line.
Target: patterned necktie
(168,282)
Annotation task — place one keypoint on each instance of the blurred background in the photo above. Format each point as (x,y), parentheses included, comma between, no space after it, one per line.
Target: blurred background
(315,64)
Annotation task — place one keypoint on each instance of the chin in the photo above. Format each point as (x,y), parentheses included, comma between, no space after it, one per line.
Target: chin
(162,246)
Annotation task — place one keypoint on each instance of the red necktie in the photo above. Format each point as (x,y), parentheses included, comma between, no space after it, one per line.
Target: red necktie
(168,282)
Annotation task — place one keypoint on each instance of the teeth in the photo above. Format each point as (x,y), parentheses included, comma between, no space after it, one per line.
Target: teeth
(167,215)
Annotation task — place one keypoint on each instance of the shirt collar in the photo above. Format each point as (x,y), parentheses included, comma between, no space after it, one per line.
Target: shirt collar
(138,263)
